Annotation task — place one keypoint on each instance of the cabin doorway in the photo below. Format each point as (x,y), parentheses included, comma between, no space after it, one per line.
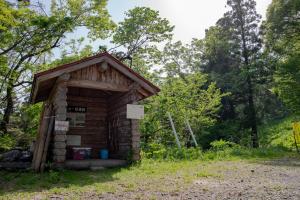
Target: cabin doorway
(96,123)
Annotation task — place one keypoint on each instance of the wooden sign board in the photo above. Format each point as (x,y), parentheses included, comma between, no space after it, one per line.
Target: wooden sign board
(61,126)
(76,109)
(135,111)
(74,140)
(296,129)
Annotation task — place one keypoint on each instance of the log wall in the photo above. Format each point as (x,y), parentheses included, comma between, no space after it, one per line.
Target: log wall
(103,73)
(126,131)
(94,133)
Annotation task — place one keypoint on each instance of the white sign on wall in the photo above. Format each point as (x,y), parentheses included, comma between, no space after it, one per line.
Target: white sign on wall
(74,140)
(61,126)
(135,111)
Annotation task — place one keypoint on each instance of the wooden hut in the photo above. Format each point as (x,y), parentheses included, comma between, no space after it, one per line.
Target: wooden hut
(86,105)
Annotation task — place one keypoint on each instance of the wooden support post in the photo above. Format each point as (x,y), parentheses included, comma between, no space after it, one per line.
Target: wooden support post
(191,132)
(40,143)
(174,130)
(135,139)
(47,142)
(135,135)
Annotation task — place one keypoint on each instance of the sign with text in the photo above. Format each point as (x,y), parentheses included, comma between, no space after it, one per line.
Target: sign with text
(73,140)
(61,126)
(135,111)
(76,109)
(296,130)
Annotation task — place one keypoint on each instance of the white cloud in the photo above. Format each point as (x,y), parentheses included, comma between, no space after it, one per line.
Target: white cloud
(192,17)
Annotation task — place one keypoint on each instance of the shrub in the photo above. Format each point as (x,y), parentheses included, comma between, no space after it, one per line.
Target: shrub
(219,145)
(160,152)
(53,176)
(6,142)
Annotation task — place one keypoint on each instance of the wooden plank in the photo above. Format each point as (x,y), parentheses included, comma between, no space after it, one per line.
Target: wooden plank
(47,142)
(65,70)
(143,92)
(94,73)
(130,75)
(43,131)
(96,100)
(97,85)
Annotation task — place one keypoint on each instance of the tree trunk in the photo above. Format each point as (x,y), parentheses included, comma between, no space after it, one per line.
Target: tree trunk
(8,109)
(252,117)
(252,112)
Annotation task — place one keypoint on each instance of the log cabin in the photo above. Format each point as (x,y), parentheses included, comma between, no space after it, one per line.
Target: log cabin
(86,105)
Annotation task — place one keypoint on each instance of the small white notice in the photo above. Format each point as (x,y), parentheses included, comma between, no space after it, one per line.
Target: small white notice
(61,126)
(135,111)
(73,140)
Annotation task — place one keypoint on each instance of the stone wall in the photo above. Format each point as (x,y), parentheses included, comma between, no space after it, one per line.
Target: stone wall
(59,102)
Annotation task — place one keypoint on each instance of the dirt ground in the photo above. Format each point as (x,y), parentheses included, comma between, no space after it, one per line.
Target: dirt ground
(243,179)
(277,179)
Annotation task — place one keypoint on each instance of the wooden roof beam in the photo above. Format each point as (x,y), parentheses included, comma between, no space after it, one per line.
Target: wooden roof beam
(97,85)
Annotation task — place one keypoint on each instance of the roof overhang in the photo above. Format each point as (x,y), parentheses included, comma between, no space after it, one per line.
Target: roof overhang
(46,79)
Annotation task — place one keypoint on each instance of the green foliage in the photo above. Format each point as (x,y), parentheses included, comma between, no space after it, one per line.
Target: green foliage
(193,98)
(278,133)
(218,145)
(141,27)
(160,152)
(237,152)
(220,150)
(7,16)
(54,176)
(6,142)
(180,60)
(28,34)
(30,118)
(282,25)
(195,78)
(287,80)
(282,38)
(24,126)
(138,35)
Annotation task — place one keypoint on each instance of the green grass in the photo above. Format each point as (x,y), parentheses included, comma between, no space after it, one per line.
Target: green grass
(147,175)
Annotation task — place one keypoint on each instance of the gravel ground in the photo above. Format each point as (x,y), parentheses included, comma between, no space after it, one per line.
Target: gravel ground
(277,179)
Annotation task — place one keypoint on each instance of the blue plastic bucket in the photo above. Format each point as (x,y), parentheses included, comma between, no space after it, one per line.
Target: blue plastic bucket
(103,154)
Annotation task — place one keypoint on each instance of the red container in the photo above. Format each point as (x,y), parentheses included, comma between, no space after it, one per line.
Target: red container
(81,153)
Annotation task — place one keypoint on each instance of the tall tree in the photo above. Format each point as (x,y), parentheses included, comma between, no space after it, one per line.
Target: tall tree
(243,19)
(282,39)
(138,36)
(221,61)
(180,60)
(141,29)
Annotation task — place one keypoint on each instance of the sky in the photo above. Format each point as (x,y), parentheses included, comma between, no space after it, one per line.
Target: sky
(190,17)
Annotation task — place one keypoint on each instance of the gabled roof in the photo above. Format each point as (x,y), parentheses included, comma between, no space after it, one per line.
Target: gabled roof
(45,80)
